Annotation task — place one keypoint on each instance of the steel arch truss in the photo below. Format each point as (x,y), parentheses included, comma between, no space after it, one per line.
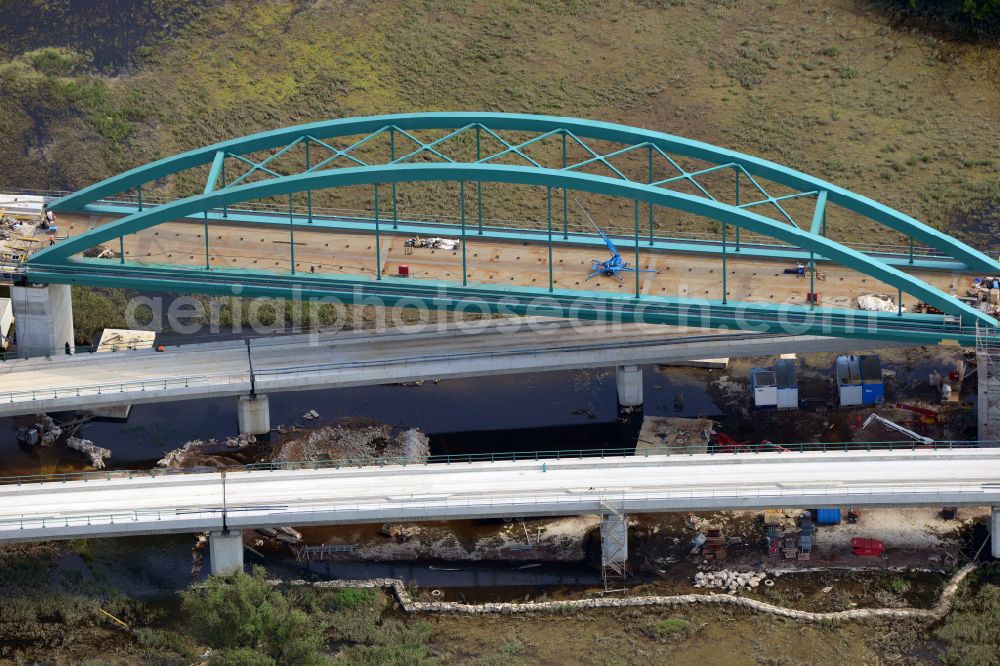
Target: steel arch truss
(477,148)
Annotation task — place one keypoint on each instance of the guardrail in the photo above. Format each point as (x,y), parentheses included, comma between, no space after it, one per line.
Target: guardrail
(135,386)
(716,450)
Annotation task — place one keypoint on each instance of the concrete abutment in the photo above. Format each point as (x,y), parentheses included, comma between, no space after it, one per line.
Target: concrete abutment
(43,319)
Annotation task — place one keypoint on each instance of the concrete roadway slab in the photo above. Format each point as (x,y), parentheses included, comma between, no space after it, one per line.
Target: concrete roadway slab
(104,507)
(494,262)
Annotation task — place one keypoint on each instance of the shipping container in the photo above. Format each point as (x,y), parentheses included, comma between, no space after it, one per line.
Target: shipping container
(788,387)
(827,516)
(764,387)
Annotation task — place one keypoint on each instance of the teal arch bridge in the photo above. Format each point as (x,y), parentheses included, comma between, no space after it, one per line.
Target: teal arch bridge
(757,210)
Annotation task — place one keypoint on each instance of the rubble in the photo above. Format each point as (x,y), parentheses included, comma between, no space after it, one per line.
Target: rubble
(352,440)
(730,580)
(97,454)
(241,441)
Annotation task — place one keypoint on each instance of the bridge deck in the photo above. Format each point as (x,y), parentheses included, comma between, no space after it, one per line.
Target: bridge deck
(187,502)
(496,262)
(316,361)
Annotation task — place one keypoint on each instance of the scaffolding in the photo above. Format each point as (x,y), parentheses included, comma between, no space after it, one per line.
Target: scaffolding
(988,364)
(614,547)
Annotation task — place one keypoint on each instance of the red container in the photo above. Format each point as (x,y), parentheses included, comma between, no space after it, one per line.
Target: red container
(954,376)
(867,547)
(404,270)
(812,297)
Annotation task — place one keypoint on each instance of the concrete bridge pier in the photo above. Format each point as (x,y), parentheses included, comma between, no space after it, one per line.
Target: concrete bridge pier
(43,319)
(254,414)
(614,546)
(225,552)
(629,381)
(995,532)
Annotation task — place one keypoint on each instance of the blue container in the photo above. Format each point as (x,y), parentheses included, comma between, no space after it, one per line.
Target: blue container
(827,516)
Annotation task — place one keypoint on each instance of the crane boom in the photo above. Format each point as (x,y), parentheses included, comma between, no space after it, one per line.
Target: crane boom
(608,241)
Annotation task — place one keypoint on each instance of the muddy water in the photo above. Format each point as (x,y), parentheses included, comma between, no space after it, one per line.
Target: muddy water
(547,411)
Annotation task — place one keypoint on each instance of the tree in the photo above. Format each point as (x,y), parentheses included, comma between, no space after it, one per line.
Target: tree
(242,615)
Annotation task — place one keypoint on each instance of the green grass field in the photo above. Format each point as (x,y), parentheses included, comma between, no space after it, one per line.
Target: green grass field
(831,88)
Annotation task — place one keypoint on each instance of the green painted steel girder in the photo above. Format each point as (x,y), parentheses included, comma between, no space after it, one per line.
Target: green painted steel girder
(589,129)
(535,176)
(513,300)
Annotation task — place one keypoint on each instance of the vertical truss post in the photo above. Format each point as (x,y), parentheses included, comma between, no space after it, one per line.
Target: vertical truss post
(461,196)
(548,200)
(291,232)
(911,249)
(737,204)
(222,172)
(121,248)
(378,245)
(309,194)
(392,158)
(207,265)
(724,268)
(565,193)
(649,152)
(479,183)
(636,240)
(899,297)
(138,192)
(812,280)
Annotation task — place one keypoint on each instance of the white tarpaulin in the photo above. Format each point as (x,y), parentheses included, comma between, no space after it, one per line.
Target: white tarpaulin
(876,303)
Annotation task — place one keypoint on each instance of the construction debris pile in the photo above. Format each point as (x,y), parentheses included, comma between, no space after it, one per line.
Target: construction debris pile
(433,243)
(730,580)
(985,294)
(97,454)
(352,440)
(195,452)
(99,252)
(44,432)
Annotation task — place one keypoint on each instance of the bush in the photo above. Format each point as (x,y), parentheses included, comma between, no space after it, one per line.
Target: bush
(970,631)
(352,597)
(673,627)
(243,612)
(163,640)
(897,585)
(241,657)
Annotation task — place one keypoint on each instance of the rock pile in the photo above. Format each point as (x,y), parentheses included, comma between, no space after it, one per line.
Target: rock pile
(730,580)
(97,454)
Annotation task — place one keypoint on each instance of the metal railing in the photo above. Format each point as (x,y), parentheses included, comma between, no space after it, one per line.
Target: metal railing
(713,450)
(749,239)
(133,386)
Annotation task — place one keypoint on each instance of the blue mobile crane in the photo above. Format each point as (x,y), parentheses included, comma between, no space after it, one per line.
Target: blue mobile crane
(614,266)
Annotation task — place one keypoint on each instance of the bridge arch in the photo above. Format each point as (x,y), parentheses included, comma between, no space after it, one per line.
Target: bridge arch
(578,130)
(521,175)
